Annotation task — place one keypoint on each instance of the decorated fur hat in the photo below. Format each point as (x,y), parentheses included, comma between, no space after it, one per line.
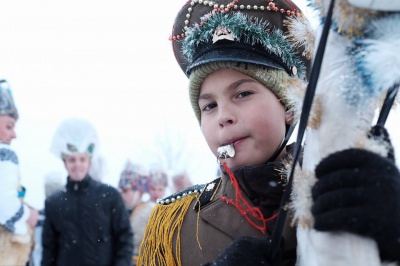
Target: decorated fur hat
(135,177)
(269,40)
(7,106)
(158,177)
(74,135)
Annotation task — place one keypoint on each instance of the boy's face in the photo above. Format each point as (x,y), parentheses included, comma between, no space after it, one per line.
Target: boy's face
(77,165)
(7,129)
(236,108)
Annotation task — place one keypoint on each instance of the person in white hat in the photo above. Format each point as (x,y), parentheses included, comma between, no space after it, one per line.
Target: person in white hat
(86,223)
(17,219)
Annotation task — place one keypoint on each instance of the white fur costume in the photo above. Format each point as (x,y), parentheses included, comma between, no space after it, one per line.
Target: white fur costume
(360,64)
(13,214)
(15,234)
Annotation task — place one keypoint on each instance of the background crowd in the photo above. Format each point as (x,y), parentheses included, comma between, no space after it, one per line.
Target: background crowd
(81,213)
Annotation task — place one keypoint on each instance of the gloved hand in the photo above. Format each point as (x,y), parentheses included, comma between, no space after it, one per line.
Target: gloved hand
(247,251)
(359,192)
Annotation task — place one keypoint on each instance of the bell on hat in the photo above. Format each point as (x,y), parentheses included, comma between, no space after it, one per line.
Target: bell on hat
(7,105)
(74,135)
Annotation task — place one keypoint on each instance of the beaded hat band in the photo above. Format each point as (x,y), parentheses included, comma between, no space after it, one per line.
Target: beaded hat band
(251,31)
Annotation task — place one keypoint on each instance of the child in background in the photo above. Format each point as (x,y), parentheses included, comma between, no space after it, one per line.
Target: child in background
(133,183)
(158,182)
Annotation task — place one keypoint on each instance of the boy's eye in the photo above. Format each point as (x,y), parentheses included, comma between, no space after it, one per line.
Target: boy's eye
(244,94)
(208,107)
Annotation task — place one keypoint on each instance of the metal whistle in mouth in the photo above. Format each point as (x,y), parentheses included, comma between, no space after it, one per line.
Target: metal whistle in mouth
(226,151)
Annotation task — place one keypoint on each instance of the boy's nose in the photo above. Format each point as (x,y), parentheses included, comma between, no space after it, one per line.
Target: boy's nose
(226,117)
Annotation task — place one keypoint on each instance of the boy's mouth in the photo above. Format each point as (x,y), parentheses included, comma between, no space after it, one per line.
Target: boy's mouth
(226,151)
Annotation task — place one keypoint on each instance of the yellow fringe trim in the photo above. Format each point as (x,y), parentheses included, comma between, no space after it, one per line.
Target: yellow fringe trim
(197,225)
(165,222)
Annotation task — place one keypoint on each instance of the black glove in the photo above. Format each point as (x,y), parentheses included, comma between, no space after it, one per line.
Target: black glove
(359,192)
(247,251)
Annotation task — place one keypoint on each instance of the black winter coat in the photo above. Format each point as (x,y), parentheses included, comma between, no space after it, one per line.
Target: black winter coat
(86,224)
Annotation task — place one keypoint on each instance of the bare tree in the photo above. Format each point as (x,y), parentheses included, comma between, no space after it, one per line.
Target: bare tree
(172,147)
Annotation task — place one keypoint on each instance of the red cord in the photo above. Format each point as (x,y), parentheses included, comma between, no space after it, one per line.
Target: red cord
(244,207)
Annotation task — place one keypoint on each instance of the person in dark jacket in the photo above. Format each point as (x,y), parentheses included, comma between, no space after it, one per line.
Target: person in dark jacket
(86,223)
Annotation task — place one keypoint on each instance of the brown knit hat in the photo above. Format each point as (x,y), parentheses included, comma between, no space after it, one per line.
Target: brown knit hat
(271,41)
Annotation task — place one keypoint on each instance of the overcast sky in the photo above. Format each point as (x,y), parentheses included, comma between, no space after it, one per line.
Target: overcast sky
(108,61)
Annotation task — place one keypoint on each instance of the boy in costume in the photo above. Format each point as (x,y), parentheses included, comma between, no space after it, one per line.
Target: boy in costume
(133,183)
(158,182)
(247,63)
(17,219)
(86,223)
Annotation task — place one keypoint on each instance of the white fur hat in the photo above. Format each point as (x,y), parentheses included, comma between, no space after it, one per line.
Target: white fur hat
(74,135)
